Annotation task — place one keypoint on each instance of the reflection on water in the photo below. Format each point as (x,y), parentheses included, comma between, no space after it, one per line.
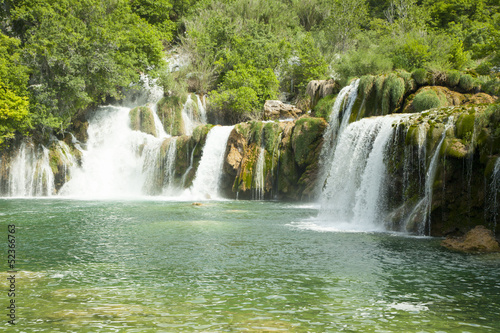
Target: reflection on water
(153,266)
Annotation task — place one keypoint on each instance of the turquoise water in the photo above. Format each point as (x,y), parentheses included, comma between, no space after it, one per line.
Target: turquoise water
(230,266)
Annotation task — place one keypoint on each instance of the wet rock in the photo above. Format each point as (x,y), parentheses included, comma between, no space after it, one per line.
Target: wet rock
(142,119)
(478,239)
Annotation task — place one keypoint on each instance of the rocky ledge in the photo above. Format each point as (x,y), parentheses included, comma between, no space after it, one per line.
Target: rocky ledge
(477,240)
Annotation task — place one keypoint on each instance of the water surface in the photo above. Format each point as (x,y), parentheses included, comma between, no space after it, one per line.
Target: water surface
(228,266)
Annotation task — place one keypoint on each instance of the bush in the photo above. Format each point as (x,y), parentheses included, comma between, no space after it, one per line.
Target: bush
(453,78)
(466,82)
(492,87)
(324,107)
(420,76)
(426,100)
(232,106)
(393,93)
(357,64)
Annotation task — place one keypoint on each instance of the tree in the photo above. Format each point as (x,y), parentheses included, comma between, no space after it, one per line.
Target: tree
(14,105)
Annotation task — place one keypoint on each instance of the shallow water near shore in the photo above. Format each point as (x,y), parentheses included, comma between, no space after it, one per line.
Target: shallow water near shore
(162,266)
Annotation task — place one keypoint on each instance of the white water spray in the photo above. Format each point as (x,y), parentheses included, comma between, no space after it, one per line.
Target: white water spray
(206,183)
(353,198)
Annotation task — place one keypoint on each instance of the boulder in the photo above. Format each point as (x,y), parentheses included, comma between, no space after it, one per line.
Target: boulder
(142,119)
(478,239)
(317,89)
(278,110)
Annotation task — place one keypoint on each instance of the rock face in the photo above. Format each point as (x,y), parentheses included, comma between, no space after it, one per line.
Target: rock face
(476,240)
(170,114)
(142,119)
(318,89)
(277,160)
(274,110)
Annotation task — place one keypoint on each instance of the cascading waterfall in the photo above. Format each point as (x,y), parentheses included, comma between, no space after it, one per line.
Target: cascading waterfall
(339,119)
(206,182)
(169,167)
(494,189)
(202,108)
(112,165)
(30,173)
(193,114)
(353,197)
(188,116)
(258,190)
(190,167)
(424,207)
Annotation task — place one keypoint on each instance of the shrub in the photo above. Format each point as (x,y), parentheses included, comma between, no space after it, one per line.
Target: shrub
(426,100)
(420,76)
(324,107)
(232,106)
(492,87)
(393,93)
(466,82)
(453,78)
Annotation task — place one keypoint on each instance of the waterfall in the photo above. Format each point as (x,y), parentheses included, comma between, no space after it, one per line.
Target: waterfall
(202,108)
(116,161)
(421,213)
(30,173)
(353,197)
(494,188)
(193,114)
(190,167)
(259,185)
(339,119)
(169,167)
(206,181)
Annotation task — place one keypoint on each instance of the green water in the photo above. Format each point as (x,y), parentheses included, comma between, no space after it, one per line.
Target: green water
(153,266)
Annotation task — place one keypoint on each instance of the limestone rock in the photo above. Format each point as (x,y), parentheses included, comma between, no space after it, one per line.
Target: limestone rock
(278,110)
(318,89)
(478,239)
(142,119)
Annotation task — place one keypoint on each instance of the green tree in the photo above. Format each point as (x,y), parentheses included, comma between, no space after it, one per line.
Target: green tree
(14,105)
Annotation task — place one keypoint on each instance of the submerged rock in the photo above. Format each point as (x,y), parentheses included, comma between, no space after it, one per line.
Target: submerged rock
(478,239)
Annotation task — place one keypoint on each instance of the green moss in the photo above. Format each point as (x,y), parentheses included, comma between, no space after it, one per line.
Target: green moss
(454,148)
(142,119)
(490,166)
(306,132)
(324,107)
(425,100)
(465,126)
(393,93)
(420,76)
(170,114)
(271,136)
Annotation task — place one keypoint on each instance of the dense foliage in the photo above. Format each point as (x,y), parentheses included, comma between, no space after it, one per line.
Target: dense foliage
(77,53)
(61,57)
(315,39)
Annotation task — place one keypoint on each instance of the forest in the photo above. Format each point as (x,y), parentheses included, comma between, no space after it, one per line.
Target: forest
(59,59)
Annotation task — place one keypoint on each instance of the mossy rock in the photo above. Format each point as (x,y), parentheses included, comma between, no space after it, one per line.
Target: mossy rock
(455,148)
(306,133)
(170,114)
(465,126)
(324,107)
(142,119)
